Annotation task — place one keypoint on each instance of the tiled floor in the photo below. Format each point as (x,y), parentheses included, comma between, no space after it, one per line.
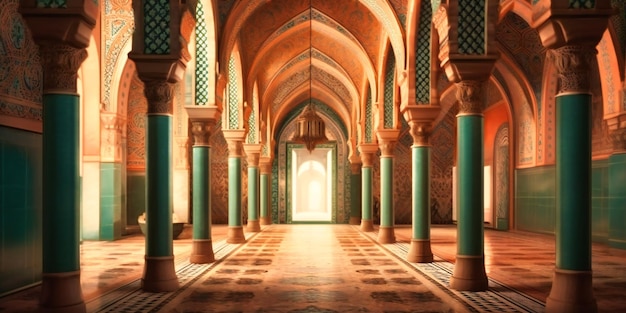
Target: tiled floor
(331,268)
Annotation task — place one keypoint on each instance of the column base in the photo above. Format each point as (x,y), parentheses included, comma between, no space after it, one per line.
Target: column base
(355,220)
(572,291)
(386,234)
(266,220)
(367,225)
(61,292)
(253,226)
(202,251)
(235,235)
(159,274)
(419,251)
(469,273)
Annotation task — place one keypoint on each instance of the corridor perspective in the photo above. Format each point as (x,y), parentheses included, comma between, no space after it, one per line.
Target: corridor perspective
(312,155)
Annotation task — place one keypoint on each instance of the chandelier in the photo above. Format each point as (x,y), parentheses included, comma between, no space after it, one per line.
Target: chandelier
(310,128)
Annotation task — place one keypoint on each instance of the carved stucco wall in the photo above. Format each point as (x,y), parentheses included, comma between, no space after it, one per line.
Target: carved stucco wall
(20,69)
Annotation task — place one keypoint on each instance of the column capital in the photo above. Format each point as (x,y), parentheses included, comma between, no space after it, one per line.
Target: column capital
(367,151)
(234,138)
(355,168)
(387,139)
(420,131)
(573,64)
(202,131)
(253,151)
(60,63)
(265,165)
(470,94)
(160,96)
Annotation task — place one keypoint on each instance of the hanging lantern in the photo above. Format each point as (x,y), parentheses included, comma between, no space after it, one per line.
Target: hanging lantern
(310,128)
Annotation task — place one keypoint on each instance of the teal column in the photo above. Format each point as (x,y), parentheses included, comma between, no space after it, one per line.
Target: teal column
(419,250)
(387,146)
(202,244)
(60,279)
(617,196)
(573,176)
(469,269)
(367,151)
(235,153)
(264,193)
(572,288)
(253,152)
(355,193)
(159,273)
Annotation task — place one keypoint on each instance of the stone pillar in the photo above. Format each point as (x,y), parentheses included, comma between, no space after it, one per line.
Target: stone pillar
(265,165)
(60,286)
(203,120)
(253,151)
(367,151)
(617,181)
(420,119)
(572,51)
(469,269)
(355,191)
(62,52)
(387,139)
(234,138)
(159,273)
(572,289)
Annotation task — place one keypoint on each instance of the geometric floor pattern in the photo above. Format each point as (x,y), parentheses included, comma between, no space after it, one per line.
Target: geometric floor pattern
(331,268)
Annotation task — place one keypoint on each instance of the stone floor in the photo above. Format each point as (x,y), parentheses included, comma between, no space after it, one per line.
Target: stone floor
(331,268)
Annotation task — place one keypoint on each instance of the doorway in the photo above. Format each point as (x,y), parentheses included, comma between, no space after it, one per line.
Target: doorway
(311,190)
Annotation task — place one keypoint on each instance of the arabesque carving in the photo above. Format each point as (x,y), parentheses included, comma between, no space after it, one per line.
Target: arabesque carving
(573,65)
(160,95)
(470,95)
(60,63)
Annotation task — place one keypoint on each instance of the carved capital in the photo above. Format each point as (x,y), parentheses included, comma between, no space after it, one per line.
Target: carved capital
(470,93)
(387,148)
(235,148)
(420,131)
(253,159)
(160,96)
(201,131)
(367,159)
(265,165)
(573,65)
(60,64)
(618,139)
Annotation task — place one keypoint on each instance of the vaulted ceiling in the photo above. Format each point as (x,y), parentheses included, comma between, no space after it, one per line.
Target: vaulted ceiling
(293,50)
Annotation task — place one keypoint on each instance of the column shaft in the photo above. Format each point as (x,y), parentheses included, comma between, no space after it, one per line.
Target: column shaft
(159,186)
(202,245)
(366,199)
(253,199)
(201,193)
(264,198)
(573,175)
(421,194)
(60,184)
(470,185)
(386,232)
(355,197)
(420,251)
(235,227)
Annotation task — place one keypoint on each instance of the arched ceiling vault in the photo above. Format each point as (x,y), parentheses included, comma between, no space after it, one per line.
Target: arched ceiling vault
(285,43)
